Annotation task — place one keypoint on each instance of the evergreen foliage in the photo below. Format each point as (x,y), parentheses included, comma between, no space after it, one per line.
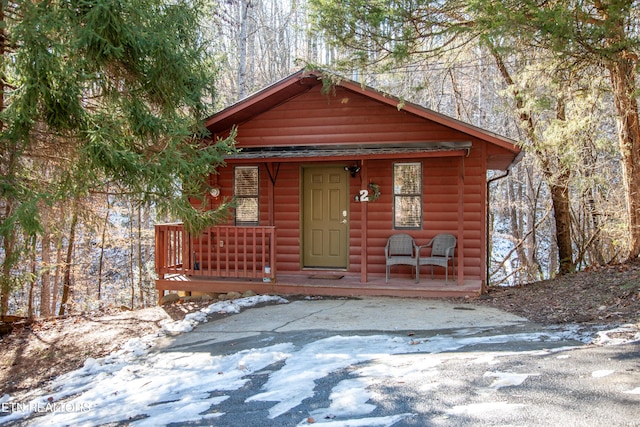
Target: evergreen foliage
(566,40)
(99,93)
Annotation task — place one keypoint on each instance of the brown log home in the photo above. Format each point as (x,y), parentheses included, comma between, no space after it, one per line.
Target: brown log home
(323,179)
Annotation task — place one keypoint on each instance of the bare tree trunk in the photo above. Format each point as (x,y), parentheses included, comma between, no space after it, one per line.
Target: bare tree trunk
(591,211)
(140,259)
(131,256)
(516,228)
(66,276)
(562,216)
(558,181)
(622,74)
(7,239)
(45,280)
(8,244)
(243,42)
(559,186)
(32,277)
(535,269)
(105,224)
(56,280)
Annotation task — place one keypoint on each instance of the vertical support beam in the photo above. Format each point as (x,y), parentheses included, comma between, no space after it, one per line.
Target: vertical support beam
(272,253)
(160,251)
(271,194)
(273,171)
(211,242)
(364,209)
(185,239)
(484,228)
(460,257)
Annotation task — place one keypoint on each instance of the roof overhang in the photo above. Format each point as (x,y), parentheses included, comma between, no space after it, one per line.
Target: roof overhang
(269,97)
(353,151)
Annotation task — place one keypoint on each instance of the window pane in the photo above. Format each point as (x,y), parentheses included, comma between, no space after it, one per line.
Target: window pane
(408,212)
(407,190)
(407,178)
(246,189)
(247,210)
(246,182)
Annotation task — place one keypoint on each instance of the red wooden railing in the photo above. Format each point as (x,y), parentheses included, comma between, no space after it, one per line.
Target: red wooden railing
(220,251)
(171,250)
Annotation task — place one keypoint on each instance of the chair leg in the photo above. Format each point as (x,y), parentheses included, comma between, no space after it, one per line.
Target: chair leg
(387,279)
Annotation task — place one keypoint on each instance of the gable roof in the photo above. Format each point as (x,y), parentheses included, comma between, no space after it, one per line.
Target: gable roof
(303,81)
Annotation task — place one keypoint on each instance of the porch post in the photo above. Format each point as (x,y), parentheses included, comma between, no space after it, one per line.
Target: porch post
(363,227)
(160,251)
(187,251)
(271,196)
(460,260)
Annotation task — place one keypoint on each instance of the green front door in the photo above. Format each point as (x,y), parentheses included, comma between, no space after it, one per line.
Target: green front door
(325,217)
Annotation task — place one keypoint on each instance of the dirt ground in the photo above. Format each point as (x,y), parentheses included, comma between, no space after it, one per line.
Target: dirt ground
(33,354)
(603,295)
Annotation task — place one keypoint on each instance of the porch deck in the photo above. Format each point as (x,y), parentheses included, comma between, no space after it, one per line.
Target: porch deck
(322,284)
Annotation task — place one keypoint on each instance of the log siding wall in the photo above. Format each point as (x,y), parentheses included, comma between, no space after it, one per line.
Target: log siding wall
(346,117)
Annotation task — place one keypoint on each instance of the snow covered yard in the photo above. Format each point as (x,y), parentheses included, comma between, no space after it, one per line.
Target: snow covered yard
(551,376)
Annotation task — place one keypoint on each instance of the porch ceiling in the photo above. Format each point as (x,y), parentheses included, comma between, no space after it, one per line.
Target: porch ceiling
(359,151)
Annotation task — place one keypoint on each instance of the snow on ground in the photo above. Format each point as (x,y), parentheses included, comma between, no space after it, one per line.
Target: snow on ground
(507,379)
(226,307)
(153,389)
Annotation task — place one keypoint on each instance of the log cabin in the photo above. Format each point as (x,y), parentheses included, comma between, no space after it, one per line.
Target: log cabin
(324,176)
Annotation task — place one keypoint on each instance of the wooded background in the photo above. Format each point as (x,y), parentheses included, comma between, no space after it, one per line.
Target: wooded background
(560,79)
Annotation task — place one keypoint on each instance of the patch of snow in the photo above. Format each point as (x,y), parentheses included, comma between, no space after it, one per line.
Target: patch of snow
(361,422)
(485,359)
(349,398)
(161,389)
(486,409)
(191,320)
(235,306)
(157,387)
(507,379)
(296,380)
(622,335)
(602,373)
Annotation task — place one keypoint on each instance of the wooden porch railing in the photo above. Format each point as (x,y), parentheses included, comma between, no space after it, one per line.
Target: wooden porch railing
(220,251)
(171,250)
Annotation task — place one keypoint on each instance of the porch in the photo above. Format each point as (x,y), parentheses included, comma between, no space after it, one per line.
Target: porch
(228,258)
(321,284)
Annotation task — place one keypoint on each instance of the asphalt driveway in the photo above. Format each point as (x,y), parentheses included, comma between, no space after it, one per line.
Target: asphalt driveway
(353,362)
(453,365)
